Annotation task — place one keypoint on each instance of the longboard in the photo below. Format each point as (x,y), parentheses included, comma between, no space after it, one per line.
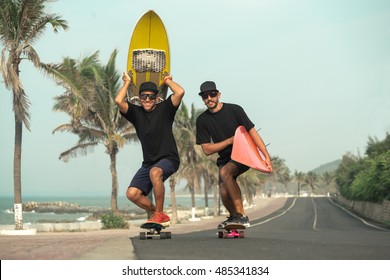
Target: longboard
(246,152)
(232,231)
(148,56)
(154,230)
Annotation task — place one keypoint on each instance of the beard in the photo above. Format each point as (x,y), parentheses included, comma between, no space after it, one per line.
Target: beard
(212,105)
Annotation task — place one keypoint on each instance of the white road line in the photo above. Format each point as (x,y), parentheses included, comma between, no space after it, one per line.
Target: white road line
(357,217)
(315,215)
(277,216)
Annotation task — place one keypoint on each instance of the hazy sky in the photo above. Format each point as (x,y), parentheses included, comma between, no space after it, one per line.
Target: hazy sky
(313,75)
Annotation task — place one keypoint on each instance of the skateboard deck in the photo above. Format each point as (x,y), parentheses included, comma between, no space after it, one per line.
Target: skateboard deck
(232,231)
(154,230)
(246,152)
(148,56)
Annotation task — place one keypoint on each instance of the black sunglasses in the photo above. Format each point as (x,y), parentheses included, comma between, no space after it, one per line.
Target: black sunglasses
(212,94)
(152,96)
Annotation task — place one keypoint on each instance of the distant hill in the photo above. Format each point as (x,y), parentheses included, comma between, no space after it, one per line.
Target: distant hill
(327,167)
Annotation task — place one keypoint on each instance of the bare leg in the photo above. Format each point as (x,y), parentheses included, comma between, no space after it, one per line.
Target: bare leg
(138,198)
(156,176)
(227,202)
(227,174)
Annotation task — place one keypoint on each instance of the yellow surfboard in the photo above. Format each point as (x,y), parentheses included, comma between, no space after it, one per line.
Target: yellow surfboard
(148,57)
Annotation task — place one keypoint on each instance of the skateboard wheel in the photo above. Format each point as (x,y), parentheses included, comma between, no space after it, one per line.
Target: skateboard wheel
(242,233)
(165,235)
(220,234)
(142,235)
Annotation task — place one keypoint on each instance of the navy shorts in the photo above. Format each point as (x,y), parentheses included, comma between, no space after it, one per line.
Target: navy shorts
(241,169)
(141,179)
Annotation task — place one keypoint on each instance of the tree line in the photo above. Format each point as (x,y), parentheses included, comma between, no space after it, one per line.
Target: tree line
(367,177)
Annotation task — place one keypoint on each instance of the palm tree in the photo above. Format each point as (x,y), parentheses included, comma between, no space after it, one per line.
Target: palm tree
(89,100)
(22,22)
(284,177)
(328,178)
(250,182)
(311,179)
(208,171)
(172,185)
(279,167)
(213,174)
(299,178)
(190,153)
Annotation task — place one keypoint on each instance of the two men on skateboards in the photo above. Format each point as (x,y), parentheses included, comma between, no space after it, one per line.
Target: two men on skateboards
(215,133)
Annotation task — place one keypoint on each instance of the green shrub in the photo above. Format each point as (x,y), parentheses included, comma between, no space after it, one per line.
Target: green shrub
(366,178)
(111,220)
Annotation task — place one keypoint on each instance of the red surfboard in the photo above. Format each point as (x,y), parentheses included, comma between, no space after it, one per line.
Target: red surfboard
(246,152)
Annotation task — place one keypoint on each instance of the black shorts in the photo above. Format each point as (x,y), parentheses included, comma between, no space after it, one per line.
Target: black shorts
(141,179)
(241,169)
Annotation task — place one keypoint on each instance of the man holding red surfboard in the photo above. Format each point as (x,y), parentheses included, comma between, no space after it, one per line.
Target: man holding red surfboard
(153,123)
(215,133)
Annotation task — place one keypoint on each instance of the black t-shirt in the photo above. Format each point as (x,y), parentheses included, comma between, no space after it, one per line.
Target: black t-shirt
(219,126)
(154,130)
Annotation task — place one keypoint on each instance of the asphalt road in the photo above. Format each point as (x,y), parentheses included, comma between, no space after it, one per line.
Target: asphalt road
(304,229)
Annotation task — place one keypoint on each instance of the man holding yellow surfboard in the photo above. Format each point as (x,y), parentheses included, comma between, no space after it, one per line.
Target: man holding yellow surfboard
(153,123)
(215,133)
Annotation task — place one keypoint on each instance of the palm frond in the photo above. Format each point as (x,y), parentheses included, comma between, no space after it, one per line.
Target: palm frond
(21,23)
(64,128)
(29,52)
(129,134)
(91,134)
(119,140)
(89,100)
(8,22)
(80,149)
(21,104)
(66,75)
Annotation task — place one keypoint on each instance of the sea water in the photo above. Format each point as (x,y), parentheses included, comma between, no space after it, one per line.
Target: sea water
(7,215)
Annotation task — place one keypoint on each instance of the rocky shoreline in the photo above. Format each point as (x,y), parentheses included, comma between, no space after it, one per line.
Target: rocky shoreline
(60,207)
(92,213)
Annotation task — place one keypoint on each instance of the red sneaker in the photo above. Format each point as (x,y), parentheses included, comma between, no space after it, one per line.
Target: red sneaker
(159,218)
